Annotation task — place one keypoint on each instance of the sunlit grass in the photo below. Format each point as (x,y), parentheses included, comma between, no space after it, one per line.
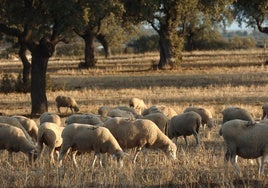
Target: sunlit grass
(205,79)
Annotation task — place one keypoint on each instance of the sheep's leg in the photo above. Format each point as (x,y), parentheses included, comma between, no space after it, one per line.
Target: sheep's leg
(74,158)
(10,157)
(136,154)
(196,135)
(263,159)
(103,160)
(233,162)
(51,155)
(185,139)
(94,161)
(63,152)
(58,109)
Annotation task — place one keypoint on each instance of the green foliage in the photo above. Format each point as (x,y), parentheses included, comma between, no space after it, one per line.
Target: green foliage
(74,49)
(145,44)
(10,84)
(238,42)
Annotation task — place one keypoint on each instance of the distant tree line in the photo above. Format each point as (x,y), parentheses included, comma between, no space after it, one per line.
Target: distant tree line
(39,26)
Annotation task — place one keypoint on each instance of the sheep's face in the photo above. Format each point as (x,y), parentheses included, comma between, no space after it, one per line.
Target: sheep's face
(119,158)
(33,155)
(171,151)
(76,109)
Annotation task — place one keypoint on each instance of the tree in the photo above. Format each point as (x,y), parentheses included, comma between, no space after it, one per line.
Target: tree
(94,14)
(254,13)
(39,26)
(170,20)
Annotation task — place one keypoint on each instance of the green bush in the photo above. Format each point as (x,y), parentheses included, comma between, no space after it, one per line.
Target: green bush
(11,84)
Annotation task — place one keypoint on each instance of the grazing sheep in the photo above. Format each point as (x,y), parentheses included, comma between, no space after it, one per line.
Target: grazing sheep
(86,138)
(69,102)
(50,117)
(206,115)
(139,134)
(13,139)
(264,111)
(121,113)
(246,139)
(29,125)
(14,122)
(89,118)
(104,111)
(185,124)
(159,119)
(50,135)
(167,111)
(137,104)
(231,113)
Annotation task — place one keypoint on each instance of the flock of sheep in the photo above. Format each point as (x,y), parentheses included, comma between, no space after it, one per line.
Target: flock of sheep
(114,130)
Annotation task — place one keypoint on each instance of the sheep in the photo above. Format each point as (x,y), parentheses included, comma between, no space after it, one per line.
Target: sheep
(121,113)
(231,113)
(246,139)
(86,138)
(185,124)
(137,104)
(264,111)
(69,102)
(84,119)
(29,125)
(206,115)
(50,117)
(14,122)
(13,139)
(104,110)
(159,119)
(50,135)
(138,134)
(167,111)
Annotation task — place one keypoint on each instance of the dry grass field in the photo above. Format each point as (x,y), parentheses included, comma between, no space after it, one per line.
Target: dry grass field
(213,80)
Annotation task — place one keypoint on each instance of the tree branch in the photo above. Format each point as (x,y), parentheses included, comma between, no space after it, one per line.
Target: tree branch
(9,31)
(260,27)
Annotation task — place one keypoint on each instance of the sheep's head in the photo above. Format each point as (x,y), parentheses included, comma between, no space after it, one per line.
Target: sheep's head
(33,154)
(171,151)
(76,109)
(119,155)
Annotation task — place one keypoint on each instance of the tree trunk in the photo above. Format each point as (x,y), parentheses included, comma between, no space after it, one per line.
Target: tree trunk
(90,60)
(40,57)
(165,52)
(26,67)
(104,43)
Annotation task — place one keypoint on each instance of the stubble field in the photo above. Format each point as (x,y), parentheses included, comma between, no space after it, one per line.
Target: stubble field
(213,80)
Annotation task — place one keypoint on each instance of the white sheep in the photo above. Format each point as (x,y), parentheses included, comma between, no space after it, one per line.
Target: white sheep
(89,118)
(104,110)
(137,104)
(14,122)
(206,115)
(50,135)
(159,119)
(86,138)
(231,113)
(264,111)
(185,124)
(13,139)
(246,139)
(50,117)
(167,111)
(29,125)
(121,113)
(65,101)
(138,134)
